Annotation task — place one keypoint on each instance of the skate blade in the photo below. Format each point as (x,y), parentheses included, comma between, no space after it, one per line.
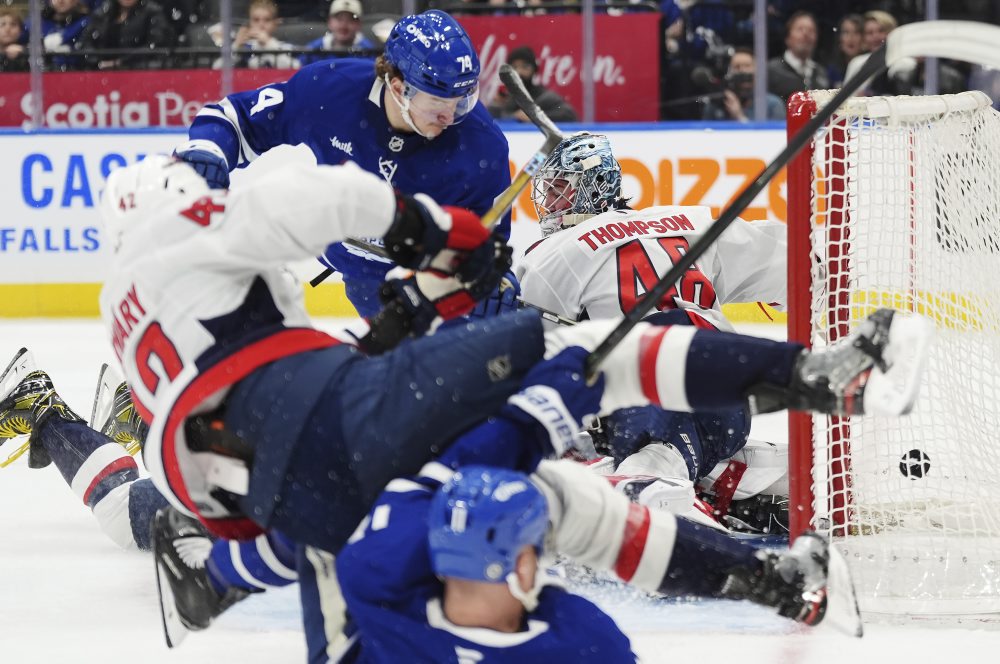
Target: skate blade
(174,630)
(895,391)
(16,454)
(842,613)
(19,367)
(104,397)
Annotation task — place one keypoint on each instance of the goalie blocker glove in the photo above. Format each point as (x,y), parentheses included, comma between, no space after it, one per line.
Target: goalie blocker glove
(207,160)
(447,241)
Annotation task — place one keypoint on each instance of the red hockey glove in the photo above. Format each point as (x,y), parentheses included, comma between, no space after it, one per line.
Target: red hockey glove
(426,237)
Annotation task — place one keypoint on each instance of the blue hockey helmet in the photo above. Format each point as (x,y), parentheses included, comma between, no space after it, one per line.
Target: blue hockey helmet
(481,519)
(434,54)
(581,178)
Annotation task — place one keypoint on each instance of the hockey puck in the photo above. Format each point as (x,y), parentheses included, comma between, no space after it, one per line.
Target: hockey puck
(915,464)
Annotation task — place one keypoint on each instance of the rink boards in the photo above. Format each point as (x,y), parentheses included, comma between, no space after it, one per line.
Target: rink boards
(52,250)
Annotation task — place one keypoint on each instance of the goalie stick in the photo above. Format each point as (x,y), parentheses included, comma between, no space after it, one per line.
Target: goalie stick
(960,40)
(507,197)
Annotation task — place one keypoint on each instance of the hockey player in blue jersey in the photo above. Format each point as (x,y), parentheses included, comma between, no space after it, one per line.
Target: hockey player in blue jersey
(260,422)
(447,566)
(412,118)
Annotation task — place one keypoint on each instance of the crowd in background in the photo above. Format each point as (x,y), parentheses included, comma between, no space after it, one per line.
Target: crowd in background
(707,64)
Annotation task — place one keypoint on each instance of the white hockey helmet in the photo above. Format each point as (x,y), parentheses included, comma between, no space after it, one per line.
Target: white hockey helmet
(580,179)
(140,189)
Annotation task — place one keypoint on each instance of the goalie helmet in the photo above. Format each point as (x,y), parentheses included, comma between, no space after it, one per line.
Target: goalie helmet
(138,189)
(580,179)
(481,519)
(435,56)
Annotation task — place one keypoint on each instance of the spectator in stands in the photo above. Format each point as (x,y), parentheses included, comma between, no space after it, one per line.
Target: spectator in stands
(254,39)
(878,25)
(182,14)
(13,55)
(128,24)
(343,32)
(737,96)
(63,22)
(796,70)
(850,44)
(522,59)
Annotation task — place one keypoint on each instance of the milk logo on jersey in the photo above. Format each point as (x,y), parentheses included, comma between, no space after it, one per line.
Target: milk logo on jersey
(387,169)
(343,146)
(467,655)
(396,143)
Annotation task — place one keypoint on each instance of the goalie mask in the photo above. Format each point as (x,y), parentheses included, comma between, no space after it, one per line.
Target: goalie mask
(580,179)
(480,521)
(139,189)
(439,65)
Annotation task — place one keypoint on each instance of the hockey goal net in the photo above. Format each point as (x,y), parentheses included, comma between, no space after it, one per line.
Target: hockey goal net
(896,203)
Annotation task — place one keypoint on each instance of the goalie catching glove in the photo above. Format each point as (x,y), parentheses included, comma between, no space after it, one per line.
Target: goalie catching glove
(444,240)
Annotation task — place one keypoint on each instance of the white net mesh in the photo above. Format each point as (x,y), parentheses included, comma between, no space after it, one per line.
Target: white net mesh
(906,200)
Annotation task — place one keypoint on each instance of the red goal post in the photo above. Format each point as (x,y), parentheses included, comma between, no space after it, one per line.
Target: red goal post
(896,202)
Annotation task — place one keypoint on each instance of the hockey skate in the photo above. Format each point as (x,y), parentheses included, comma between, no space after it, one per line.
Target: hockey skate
(875,370)
(808,583)
(27,399)
(114,414)
(188,602)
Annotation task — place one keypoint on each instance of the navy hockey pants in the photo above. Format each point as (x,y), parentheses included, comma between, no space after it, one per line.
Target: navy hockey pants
(317,469)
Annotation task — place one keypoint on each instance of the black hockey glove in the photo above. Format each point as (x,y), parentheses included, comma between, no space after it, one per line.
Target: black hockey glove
(426,237)
(412,307)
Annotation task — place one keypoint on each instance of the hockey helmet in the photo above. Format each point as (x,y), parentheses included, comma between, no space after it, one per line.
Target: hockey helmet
(580,179)
(435,56)
(141,188)
(481,519)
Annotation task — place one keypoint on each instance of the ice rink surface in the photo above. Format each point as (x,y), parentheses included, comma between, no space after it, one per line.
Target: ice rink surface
(67,594)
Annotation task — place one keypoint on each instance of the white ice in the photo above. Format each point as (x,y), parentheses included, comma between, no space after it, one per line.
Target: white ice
(67,594)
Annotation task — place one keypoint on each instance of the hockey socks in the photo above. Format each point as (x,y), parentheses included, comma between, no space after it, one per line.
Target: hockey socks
(679,367)
(98,470)
(268,561)
(144,501)
(701,560)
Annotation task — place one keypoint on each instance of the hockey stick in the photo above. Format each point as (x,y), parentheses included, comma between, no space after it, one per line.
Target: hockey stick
(506,199)
(962,40)
(546,314)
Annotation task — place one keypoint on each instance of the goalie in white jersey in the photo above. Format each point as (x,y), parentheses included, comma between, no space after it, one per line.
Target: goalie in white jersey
(598,257)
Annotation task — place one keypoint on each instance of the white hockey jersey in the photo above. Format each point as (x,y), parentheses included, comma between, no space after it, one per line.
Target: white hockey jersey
(602,267)
(196,297)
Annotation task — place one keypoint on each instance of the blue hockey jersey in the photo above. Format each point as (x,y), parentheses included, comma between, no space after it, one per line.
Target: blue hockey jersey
(394,599)
(336,108)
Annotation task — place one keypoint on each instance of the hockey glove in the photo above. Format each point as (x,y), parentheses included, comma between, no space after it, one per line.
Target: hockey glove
(208,160)
(555,400)
(413,307)
(426,237)
(501,301)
